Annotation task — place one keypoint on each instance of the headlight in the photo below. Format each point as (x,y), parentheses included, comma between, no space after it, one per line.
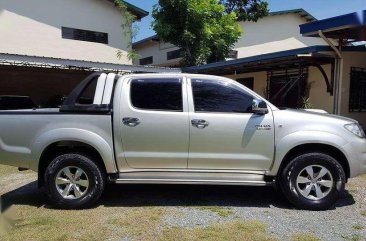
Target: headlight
(355,129)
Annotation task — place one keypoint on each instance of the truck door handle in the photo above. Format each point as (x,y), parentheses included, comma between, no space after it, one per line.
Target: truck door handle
(130,121)
(200,124)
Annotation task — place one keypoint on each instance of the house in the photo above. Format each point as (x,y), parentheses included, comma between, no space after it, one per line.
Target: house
(276,32)
(49,46)
(330,76)
(291,68)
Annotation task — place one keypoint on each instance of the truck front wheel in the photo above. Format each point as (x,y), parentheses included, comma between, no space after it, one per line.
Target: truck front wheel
(74,181)
(313,181)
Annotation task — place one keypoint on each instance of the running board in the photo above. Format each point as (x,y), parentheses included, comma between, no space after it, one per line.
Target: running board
(190,178)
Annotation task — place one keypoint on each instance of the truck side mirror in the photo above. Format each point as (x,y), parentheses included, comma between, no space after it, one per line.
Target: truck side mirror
(259,107)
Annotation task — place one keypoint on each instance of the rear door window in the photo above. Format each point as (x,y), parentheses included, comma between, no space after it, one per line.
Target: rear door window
(159,94)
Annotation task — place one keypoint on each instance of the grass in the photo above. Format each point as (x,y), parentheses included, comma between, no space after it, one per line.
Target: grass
(140,223)
(221,211)
(304,237)
(357,227)
(6,170)
(354,237)
(233,231)
(33,221)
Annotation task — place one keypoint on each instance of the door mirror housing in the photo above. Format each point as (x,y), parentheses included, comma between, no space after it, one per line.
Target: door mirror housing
(259,107)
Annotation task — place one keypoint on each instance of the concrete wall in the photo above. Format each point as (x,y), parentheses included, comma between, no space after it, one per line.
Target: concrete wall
(270,34)
(319,97)
(273,34)
(159,52)
(351,59)
(34,28)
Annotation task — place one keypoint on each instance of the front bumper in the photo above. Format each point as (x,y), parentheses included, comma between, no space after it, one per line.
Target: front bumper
(356,155)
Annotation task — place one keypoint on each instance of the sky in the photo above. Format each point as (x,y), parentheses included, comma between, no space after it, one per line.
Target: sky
(320,9)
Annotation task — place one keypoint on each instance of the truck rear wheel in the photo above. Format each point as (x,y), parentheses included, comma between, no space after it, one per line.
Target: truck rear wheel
(74,181)
(313,181)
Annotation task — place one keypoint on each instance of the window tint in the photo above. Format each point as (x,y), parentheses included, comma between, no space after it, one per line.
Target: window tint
(217,96)
(157,94)
(87,96)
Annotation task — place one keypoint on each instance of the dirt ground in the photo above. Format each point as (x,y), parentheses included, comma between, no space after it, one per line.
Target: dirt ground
(177,212)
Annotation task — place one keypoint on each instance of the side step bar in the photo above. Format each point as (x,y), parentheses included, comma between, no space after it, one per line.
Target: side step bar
(191,178)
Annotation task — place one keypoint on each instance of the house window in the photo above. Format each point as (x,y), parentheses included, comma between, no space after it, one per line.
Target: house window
(147,60)
(248,82)
(287,88)
(175,54)
(233,54)
(84,35)
(357,95)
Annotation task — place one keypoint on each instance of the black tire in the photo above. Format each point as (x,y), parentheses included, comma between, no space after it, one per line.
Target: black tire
(292,170)
(95,175)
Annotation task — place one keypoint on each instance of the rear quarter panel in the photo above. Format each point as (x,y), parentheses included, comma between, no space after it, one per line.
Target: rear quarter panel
(24,136)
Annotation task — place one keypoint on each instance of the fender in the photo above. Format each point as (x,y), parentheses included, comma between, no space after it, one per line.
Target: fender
(73,134)
(288,142)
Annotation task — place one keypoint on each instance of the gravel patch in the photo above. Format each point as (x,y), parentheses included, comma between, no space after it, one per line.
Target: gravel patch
(188,206)
(346,220)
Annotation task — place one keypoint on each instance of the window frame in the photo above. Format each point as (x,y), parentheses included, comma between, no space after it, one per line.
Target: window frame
(355,106)
(64,35)
(238,85)
(174,54)
(133,107)
(146,58)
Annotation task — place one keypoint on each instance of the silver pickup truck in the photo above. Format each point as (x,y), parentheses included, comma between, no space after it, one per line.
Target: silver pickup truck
(180,129)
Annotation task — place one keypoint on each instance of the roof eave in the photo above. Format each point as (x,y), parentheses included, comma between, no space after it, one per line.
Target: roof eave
(305,14)
(138,12)
(343,22)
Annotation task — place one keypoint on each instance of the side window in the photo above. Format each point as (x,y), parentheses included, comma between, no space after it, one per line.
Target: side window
(217,96)
(86,97)
(157,94)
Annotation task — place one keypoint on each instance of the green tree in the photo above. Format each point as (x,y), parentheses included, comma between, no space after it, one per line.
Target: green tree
(128,29)
(246,10)
(204,30)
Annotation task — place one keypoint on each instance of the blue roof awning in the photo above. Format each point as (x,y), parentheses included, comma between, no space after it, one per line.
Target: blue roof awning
(348,26)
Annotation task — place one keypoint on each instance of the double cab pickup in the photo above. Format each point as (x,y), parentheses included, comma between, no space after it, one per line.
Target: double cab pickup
(180,129)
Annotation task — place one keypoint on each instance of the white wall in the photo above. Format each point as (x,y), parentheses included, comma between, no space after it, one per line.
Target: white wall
(159,52)
(34,28)
(270,34)
(273,34)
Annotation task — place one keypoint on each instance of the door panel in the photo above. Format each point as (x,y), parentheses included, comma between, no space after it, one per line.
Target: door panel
(232,138)
(155,132)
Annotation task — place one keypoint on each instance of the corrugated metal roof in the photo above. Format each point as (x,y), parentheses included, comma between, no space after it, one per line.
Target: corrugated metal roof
(83,64)
(268,57)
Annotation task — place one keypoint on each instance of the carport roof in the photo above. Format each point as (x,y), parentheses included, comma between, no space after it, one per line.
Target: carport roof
(59,63)
(266,62)
(350,26)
